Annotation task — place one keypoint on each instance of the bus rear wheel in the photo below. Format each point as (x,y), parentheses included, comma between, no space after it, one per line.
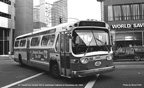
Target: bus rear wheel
(20,61)
(55,70)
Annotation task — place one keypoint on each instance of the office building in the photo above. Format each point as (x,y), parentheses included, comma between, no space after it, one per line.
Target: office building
(59,12)
(7,26)
(24,17)
(126,19)
(42,15)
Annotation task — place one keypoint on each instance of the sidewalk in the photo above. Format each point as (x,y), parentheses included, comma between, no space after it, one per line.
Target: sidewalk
(5,57)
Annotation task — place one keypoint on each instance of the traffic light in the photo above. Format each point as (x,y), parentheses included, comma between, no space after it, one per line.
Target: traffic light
(60,20)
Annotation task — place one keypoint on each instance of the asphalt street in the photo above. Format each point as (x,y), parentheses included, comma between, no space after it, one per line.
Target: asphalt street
(126,75)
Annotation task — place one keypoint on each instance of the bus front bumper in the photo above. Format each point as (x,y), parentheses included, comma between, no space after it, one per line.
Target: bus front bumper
(84,73)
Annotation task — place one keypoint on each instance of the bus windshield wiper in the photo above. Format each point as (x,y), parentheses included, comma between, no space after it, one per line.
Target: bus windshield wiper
(88,47)
(100,41)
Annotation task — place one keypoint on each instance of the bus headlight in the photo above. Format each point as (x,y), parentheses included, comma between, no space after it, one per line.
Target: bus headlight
(109,57)
(84,60)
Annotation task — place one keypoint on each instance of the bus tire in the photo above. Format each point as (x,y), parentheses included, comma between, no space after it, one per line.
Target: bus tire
(137,58)
(20,61)
(55,70)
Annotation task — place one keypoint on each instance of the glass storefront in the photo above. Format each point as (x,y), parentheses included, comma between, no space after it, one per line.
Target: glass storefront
(127,38)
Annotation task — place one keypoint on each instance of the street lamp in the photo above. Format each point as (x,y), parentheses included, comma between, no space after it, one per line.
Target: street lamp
(101,1)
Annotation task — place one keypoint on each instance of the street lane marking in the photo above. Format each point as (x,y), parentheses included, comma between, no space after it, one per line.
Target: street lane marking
(23,80)
(91,82)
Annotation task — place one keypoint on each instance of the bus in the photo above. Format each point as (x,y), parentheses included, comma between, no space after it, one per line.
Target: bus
(75,49)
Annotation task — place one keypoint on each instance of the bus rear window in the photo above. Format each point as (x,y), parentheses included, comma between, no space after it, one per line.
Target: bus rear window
(16,43)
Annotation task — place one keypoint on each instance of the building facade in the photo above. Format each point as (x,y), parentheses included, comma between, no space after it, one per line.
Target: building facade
(24,17)
(59,12)
(42,15)
(7,26)
(126,19)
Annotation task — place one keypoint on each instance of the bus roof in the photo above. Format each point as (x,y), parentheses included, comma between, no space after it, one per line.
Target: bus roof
(64,27)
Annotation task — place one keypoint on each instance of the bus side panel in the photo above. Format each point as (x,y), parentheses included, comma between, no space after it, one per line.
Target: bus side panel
(20,53)
(40,58)
(16,54)
(23,53)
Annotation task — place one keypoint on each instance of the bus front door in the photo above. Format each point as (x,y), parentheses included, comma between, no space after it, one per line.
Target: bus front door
(64,54)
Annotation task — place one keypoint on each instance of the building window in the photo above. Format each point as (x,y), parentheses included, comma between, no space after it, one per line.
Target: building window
(142,11)
(117,13)
(6,1)
(135,11)
(131,11)
(126,12)
(5,15)
(110,13)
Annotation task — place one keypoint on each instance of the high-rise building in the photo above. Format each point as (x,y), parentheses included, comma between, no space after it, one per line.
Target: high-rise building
(126,18)
(47,14)
(7,25)
(37,24)
(24,17)
(36,14)
(42,15)
(59,12)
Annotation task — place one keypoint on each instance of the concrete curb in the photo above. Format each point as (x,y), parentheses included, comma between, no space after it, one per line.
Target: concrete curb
(5,57)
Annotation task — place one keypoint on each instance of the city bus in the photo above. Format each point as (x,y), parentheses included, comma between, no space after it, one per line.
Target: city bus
(75,49)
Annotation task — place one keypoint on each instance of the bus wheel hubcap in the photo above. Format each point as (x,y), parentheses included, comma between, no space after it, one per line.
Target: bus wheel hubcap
(137,58)
(55,70)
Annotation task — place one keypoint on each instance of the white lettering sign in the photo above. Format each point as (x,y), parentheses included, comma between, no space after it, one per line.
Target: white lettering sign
(135,25)
(138,25)
(121,26)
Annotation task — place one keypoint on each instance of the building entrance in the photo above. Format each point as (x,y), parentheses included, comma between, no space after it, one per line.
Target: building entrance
(127,39)
(4,41)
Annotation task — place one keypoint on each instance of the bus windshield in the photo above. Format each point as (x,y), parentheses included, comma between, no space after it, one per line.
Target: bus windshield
(89,40)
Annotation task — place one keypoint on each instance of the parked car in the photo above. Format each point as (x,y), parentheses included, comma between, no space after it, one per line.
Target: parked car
(135,52)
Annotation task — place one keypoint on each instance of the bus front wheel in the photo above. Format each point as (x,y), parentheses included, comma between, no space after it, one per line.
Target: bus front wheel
(55,70)
(137,58)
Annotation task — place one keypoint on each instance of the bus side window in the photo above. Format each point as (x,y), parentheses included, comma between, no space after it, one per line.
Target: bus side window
(17,43)
(35,41)
(45,40)
(23,43)
(51,40)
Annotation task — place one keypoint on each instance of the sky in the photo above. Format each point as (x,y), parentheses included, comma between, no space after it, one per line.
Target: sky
(81,9)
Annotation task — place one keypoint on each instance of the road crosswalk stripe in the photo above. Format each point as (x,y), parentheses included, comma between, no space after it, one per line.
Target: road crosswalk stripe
(23,80)
(91,82)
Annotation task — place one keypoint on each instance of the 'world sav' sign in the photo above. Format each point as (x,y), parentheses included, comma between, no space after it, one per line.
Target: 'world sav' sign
(135,25)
